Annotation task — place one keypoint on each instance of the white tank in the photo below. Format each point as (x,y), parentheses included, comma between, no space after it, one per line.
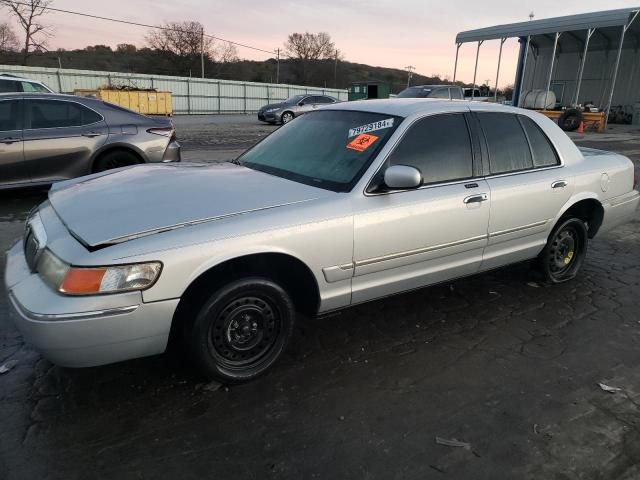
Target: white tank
(535,99)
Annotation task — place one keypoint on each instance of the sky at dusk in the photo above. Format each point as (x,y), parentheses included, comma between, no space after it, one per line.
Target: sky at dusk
(379,32)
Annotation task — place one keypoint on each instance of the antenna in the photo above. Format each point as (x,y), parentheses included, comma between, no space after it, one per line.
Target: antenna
(531,16)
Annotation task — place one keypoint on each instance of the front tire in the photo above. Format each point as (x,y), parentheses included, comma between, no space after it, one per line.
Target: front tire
(242,329)
(286,117)
(565,251)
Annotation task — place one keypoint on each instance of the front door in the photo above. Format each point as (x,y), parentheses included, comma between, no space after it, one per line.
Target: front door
(60,138)
(409,239)
(12,165)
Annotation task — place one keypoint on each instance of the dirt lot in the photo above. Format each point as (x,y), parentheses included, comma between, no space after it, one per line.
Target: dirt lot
(498,361)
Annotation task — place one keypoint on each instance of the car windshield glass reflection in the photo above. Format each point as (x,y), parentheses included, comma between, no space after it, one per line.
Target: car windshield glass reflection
(328,149)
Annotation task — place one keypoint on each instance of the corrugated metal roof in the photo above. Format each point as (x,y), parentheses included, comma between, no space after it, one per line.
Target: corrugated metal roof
(584,21)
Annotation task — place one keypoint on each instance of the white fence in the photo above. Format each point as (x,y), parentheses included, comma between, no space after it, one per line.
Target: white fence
(190,95)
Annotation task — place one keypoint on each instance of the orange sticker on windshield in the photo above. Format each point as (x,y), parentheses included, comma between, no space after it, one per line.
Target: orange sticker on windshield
(362,142)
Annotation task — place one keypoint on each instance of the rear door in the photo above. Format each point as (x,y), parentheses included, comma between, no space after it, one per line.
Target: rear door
(60,137)
(12,165)
(528,186)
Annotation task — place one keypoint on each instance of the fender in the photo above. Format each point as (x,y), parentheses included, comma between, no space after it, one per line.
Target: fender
(114,146)
(578,197)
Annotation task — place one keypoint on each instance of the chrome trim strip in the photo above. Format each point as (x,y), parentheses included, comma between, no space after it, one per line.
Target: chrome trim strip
(70,316)
(418,251)
(518,229)
(339,272)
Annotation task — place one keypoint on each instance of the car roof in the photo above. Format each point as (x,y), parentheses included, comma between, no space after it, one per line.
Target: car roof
(8,76)
(432,86)
(405,107)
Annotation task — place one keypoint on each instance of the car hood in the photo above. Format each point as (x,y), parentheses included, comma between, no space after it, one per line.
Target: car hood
(123,204)
(273,105)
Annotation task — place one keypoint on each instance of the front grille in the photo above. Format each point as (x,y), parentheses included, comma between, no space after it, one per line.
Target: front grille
(31,248)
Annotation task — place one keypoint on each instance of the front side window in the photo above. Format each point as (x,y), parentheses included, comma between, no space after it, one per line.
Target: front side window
(33,87)
(506,141)
(295,99)
(10,115)
(439,146)
(329,149)
(544,155)
(56,114)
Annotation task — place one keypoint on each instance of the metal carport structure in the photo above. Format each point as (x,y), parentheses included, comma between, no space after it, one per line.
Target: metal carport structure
(590,57)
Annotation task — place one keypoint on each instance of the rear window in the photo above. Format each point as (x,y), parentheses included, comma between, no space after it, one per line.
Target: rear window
(415,92)
(329,149)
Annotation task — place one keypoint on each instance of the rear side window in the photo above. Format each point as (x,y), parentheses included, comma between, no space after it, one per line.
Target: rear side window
(438,146)
(456,94)
(544,155)
(440,93)
(10,115)
(56,114)
(33,87)
(507,143)
(322,99)
(8,86)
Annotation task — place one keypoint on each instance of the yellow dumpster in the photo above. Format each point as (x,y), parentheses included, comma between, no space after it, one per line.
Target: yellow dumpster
(141,101)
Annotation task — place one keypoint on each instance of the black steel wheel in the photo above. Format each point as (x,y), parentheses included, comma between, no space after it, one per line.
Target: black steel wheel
(565,251)
(114,159)
(242,330)
(286,117)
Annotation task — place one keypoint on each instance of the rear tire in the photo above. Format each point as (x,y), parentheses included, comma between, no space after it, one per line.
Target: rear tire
(241,330)
(565,251)
(114,159)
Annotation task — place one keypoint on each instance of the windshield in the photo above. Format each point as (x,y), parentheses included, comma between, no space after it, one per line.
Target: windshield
(328,149)
(415,92)
(294,99)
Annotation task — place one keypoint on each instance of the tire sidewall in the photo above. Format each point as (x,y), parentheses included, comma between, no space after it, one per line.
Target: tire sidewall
(199,335)
(581,229)
(102,160)
(287,114)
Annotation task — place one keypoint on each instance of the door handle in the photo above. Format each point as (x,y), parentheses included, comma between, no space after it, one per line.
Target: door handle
(481,197)
(10,140)
(91,134)
(559,184)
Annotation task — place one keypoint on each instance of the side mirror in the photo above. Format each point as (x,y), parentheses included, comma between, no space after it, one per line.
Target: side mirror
(300,104)
(402,177)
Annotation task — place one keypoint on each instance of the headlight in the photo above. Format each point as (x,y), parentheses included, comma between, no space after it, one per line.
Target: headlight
(94,280)
(271,110)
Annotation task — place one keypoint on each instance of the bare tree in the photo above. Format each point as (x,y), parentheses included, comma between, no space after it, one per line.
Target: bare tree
(183,39)
(8,38)
(28,13)
(225,53)
(310,46)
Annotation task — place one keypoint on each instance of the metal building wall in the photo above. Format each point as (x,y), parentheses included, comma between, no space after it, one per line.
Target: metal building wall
(190,95)
(596,81)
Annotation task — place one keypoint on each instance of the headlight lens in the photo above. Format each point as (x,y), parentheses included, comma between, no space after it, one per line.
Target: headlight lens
(95,280)
(271,110)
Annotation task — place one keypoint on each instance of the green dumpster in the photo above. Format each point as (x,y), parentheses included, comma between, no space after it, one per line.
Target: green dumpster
(368,90)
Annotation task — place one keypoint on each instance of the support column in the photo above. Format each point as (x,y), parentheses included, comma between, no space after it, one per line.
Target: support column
(615,71)
(553,64)
(455,66)
(495,96)
(475,70)
(584,60)
(524,69)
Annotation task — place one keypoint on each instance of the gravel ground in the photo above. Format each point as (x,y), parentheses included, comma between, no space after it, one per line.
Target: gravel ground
(496,361)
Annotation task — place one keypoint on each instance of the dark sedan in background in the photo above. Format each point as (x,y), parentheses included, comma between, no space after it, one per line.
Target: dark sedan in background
(293,107)
(45,138)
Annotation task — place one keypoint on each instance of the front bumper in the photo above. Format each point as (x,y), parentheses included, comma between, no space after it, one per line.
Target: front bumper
(84,331)
(269,116)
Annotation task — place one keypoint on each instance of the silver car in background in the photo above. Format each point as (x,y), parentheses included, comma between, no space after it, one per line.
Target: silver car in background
(293,107)
(345,205)
(45,138)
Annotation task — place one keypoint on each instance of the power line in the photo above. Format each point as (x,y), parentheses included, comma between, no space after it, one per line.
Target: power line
(127,22)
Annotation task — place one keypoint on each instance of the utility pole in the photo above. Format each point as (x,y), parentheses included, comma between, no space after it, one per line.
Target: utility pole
(335,71)
(278,65)
(410,69)
(202,51)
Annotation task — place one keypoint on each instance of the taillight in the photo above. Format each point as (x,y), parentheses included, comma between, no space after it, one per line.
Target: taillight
(164,131)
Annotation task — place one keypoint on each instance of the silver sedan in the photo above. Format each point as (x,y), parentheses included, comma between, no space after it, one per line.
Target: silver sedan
(345,205)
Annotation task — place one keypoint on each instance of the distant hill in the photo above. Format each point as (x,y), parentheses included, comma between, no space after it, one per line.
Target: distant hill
(318,74)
